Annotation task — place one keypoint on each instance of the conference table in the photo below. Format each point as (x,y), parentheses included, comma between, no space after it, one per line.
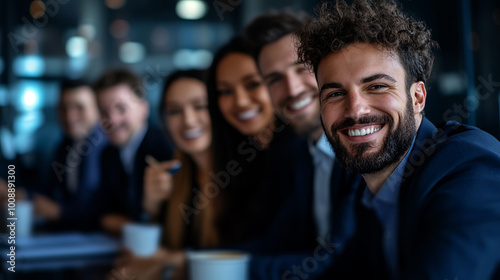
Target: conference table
(69,255)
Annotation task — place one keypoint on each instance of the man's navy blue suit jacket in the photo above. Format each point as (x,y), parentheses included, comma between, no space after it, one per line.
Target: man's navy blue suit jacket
(121,193)
(77,208)
(449,226)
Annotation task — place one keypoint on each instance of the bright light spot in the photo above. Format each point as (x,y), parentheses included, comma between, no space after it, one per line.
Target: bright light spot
(7,142)
(132,52)
(29,66)
(76,67)
(30,99)
(76,46)
(451,83)
(203,58)
(185,59)
(191,9)
(115,4)
(87,31)
(37,9)
(182,59)
(24,127)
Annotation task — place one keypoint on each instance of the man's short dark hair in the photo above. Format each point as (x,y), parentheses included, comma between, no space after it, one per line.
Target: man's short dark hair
(72,84)
(272,26)
(119,77)
(381,23)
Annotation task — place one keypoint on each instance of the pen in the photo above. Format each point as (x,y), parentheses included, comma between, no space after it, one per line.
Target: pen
(153,162)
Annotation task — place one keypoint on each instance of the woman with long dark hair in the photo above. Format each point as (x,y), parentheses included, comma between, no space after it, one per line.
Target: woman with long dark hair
(186,121)
(241,109)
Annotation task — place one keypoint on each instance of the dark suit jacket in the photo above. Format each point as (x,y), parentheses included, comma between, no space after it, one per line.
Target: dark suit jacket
(284,213)
(291,236)
(77,208)
(271,181)
(121,193)
(296,262)
(449,226)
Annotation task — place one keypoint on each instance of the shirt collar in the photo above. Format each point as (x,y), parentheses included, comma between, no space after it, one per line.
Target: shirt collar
(322,148)
(389,193)
(127,152)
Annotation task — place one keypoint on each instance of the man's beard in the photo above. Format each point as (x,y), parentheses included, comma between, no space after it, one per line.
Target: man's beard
(302,124)
(395,144)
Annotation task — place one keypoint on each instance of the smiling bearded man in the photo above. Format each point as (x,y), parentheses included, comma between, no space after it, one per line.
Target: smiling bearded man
(430,208)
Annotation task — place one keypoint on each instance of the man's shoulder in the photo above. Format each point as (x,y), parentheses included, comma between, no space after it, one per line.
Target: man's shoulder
(154,135)
(156,143)
(450,193)
(467,134)
(451,152)
(97,138)
(456,142)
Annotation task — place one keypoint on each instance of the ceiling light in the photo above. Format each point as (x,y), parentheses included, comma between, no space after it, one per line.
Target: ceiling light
(191,9)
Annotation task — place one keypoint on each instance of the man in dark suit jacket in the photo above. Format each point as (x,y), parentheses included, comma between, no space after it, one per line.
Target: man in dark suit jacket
(431,206)
(124,112)
(448,208)
(68,197)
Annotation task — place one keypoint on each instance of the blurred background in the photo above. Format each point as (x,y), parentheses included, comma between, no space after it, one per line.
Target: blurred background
(43,41)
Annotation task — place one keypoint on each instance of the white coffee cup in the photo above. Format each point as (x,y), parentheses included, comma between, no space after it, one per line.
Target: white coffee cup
(24,215)
(142,239)
(218,265)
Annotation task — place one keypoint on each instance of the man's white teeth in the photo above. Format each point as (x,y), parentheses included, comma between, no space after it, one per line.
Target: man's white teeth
(301,103)
(192,133)
(362,132)
(248,114)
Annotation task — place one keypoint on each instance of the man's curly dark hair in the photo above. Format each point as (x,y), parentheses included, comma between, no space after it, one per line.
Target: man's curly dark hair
(381,23)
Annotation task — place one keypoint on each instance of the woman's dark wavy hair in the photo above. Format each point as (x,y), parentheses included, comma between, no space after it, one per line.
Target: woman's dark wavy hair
(240,192)
(199,75)
(225,137)
(367,21)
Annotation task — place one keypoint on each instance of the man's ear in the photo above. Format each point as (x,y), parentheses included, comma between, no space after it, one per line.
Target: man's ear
(418,95)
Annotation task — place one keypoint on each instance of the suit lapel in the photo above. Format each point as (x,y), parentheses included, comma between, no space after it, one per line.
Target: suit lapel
(412,193)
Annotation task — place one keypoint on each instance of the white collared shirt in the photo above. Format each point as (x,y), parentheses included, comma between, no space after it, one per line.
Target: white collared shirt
(323,158)
(127,152)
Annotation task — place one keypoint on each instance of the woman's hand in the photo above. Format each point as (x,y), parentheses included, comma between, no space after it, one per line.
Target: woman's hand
(157,183)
